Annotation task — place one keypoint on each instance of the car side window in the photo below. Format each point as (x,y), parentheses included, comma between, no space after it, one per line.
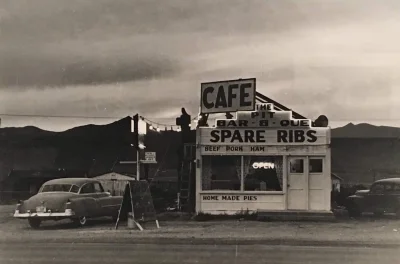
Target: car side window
(74,189)
(395,189)
(388,188)
(378,188)
(98,188)
(88,188)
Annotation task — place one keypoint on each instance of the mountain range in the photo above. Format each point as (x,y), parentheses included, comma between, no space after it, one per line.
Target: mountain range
(360,153)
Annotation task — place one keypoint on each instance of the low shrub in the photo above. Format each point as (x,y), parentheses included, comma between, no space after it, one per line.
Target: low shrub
(240,215)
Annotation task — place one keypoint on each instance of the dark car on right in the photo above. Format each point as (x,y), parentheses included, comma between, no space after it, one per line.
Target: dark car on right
(382,197)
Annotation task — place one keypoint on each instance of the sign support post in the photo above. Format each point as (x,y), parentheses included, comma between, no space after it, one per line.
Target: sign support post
(136,143)
(137,164)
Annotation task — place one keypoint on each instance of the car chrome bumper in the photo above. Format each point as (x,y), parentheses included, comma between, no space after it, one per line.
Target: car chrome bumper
(27,215)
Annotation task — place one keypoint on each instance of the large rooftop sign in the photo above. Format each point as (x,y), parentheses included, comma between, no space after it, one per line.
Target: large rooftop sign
(265,126)
(265,116)
(213,136)
(228,96)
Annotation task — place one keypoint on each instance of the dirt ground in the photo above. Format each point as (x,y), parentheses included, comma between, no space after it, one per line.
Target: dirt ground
(384,230)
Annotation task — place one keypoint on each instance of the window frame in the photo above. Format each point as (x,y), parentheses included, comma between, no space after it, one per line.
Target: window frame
(274,168)
(322,165)
(242,178)
(303,159)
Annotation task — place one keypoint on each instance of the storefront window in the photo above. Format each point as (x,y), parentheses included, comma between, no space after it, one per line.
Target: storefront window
(263,173)
(221,173)
(316,165)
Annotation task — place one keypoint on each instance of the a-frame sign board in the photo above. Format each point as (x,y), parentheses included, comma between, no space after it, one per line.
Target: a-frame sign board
(137,200)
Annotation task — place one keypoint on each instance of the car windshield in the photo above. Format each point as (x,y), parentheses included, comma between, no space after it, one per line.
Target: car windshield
(59,188)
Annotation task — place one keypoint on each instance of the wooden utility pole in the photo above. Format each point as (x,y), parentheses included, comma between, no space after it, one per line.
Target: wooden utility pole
(136,144)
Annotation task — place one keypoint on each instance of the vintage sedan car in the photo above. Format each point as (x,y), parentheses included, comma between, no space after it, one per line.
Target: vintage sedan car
(70,198)
(382,197)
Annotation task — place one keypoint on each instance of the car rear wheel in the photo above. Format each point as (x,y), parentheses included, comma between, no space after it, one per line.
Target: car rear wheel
(115,218)
(34,222)
(81,221)
(354,211)
(378,213)
(398,213)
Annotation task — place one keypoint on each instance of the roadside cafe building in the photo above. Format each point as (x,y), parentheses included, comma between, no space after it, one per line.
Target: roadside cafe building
(267,159)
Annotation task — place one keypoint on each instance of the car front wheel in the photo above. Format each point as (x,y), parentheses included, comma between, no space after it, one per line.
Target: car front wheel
(354,211)
(81,221)
(34,222)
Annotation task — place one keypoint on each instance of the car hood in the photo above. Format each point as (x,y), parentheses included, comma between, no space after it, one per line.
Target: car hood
(54,201)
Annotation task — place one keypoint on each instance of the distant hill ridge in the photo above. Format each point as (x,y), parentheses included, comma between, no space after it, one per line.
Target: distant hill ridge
(359,151)
(364,130)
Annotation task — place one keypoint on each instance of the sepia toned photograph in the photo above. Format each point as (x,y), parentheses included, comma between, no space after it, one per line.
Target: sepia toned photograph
(199,131)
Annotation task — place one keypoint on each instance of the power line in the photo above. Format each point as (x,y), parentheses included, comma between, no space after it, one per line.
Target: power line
(161,124)
(74,116)
(164,118)
(92,117)
(59,116)
(153,122)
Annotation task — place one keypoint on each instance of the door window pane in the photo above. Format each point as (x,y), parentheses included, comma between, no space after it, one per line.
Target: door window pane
(316,165)
(297,166)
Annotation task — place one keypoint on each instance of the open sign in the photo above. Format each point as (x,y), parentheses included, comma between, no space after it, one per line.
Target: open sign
(228,96)
(263,165)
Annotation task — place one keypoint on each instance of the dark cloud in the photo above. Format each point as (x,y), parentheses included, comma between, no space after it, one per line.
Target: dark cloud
(53,43)
(40,72)
(58,19)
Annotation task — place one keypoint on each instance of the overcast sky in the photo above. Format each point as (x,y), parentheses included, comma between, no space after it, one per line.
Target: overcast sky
(113,58)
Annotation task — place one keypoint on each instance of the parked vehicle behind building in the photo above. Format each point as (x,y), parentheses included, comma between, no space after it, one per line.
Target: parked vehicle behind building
(383,197)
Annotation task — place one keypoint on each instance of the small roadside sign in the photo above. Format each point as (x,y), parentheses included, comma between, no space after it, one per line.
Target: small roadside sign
(149,157)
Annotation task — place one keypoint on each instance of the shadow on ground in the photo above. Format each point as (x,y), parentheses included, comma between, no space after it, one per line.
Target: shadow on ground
(67,224)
